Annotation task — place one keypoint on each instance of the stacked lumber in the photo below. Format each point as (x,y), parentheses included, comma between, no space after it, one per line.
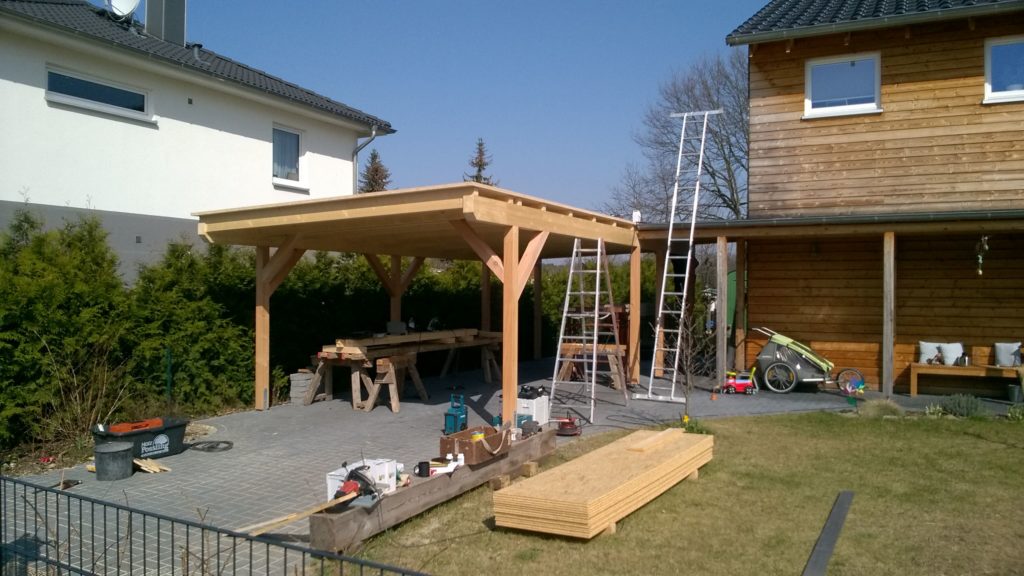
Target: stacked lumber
(149,465)
(588,495)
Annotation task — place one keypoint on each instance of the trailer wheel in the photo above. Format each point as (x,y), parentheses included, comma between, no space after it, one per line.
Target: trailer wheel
(848,376)
(779,377)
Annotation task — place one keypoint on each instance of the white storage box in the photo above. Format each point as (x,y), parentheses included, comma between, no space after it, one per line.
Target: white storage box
(383,472)
(538,408)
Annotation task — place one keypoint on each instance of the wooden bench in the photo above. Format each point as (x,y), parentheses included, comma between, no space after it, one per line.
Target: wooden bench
(979,371)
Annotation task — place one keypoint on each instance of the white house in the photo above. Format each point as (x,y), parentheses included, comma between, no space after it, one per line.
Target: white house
(104,113)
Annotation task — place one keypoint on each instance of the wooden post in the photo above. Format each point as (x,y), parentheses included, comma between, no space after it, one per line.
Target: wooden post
(270,272)
(659,275)
(888,312)
(722,309)
(538,309)
(634,313)
(510,325)
(485,298)
(396,295)
(739,320)
(262,377)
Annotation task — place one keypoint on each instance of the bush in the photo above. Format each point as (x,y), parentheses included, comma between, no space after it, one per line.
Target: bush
(1015,413)
(963,406)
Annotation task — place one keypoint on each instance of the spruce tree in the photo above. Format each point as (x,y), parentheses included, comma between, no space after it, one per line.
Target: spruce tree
(375,177)
(479,162)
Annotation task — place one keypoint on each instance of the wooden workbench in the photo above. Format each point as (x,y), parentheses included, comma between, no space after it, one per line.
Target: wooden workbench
(393,357)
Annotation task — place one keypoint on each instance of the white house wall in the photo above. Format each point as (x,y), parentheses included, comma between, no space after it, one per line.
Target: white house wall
(213,153)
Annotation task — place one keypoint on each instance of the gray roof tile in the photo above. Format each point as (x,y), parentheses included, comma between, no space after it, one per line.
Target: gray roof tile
(81,18)
(796,18)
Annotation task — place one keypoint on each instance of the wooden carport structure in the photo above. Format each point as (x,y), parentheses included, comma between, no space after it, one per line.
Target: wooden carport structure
(509,232)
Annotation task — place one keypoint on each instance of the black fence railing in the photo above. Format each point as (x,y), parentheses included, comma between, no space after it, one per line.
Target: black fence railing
(45,531)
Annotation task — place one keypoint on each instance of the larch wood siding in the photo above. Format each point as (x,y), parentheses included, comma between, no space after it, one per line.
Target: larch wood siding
(940,297)
(935,146)
(828,294)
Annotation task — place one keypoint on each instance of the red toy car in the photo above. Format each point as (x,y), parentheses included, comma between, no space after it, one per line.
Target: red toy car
(739,384)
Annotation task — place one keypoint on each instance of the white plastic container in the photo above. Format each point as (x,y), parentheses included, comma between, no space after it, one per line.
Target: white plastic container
(538,408)
(382,471)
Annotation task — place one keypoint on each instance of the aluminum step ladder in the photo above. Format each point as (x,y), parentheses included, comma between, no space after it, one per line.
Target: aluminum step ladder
(670,333)
(589,336)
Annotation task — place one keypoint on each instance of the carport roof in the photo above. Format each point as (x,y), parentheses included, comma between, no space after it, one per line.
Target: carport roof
(415,222)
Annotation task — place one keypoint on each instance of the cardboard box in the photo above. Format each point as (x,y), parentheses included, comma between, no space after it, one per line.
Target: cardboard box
(494,443)
(383,472)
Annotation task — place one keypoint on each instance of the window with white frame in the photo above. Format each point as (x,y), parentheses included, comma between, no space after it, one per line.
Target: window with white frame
(83,91)
(1004,69)
(287,154)
(842,85)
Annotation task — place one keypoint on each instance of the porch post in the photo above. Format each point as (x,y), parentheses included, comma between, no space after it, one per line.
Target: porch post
(888,312)
(538,310)
(262,361)
(396,295)
(722,309)
(739,321)
(634,313)
(510,325)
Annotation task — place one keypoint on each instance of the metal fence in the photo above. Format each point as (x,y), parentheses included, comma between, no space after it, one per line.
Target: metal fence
(44,531)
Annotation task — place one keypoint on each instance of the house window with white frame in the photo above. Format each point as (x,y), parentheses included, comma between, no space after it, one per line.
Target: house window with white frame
(843,85)
(82,91)
(287,153)
(1004,69)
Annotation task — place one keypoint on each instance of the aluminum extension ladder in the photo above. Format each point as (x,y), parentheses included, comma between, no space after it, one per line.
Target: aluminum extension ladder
(672,323)
(589,335)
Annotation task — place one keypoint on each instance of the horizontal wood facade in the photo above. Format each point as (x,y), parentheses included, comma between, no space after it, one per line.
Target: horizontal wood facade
(935,146)
(828,293)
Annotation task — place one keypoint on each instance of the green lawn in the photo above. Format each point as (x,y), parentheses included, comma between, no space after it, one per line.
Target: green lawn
(932,496)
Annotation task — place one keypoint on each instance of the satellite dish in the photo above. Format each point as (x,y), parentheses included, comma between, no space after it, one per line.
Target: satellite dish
(122,8)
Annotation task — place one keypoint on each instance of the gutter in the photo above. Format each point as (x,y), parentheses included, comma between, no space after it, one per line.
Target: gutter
(871,24)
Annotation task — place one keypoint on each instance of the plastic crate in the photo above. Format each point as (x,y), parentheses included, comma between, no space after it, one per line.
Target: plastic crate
(153,438)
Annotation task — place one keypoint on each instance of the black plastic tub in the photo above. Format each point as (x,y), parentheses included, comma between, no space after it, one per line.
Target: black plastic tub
(154,438)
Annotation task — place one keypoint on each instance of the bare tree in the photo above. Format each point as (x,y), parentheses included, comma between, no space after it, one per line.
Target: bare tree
(718,81)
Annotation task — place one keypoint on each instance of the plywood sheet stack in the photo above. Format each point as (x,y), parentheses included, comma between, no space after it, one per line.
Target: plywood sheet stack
(584,497)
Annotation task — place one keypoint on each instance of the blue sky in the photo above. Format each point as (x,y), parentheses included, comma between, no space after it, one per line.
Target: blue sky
(556,88)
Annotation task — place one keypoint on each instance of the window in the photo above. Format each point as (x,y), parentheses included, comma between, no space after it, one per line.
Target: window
(287,157)
(93,94)
(1004,69)
(842,85)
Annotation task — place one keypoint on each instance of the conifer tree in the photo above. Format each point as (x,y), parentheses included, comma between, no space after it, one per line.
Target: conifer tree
(375,176)
(479,163)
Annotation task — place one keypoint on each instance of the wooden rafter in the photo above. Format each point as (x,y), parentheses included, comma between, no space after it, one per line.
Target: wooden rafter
(482,249)
(529,259)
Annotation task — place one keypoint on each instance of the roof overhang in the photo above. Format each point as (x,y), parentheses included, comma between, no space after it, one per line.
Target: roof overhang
(415,222)
(968,222)
(872,23)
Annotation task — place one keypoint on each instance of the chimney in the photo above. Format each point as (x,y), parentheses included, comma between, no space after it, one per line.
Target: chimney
(165,19)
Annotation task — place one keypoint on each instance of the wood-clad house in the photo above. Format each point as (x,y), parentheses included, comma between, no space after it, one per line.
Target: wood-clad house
(886,180)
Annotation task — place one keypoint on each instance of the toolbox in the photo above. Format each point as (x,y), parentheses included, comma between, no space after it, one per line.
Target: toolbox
(153,438)
(494,443)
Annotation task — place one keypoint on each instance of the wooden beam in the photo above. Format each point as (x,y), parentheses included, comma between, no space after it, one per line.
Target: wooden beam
(635,288)
(659,275)
(722,309)
(510,326)
(888,312)
(529,259)
(395,292)
(262,361)
(482,249)
(409,274)
(280,259)
(345,530)
(586,226)
(378,268)
(739,320)
(538,310)
(289,263)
